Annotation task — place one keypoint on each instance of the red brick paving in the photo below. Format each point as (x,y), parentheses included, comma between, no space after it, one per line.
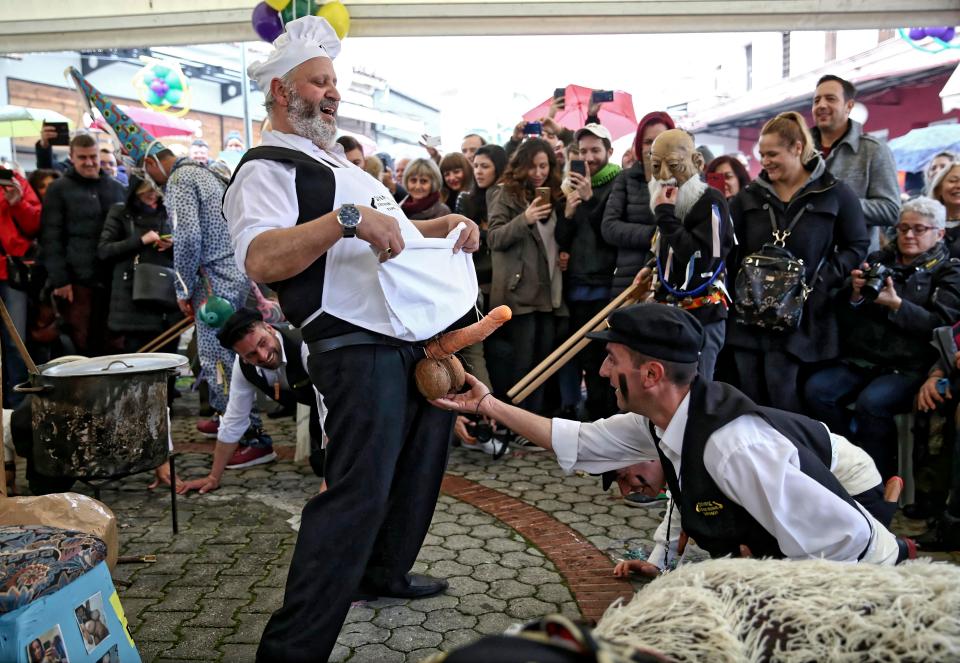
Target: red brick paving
(588,571)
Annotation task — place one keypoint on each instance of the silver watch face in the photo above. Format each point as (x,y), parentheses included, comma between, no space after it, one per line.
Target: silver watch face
(349,216)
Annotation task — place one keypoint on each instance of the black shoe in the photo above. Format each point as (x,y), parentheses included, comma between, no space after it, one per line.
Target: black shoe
(944,536)
(420,586)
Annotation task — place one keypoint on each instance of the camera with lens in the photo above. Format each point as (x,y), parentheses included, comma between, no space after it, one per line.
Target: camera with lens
(876,278)
(481,430)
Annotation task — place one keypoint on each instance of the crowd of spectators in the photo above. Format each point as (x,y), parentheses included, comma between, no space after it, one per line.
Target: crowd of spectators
(564,230)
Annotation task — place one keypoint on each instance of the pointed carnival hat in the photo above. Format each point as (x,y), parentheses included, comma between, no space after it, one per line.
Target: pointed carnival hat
(136,142)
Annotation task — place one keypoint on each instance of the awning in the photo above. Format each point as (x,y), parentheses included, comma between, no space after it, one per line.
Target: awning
(950,94)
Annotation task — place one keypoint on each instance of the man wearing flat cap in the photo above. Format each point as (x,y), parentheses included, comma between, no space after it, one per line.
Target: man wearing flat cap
(746,479)
(366,287)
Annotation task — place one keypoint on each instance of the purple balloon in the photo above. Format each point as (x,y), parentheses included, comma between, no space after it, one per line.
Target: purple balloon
(945,33)
(917,34)
(266,22)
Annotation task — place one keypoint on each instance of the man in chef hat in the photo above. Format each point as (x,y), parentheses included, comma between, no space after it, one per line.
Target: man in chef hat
(366,286)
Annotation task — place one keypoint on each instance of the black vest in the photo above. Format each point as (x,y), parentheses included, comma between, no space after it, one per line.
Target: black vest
(302,294)
(301,389)
(712,519)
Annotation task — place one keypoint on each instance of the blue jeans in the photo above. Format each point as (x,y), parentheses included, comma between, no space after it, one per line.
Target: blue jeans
(877,397)
(14,370)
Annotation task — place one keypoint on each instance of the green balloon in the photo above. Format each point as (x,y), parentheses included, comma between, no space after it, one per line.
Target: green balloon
(173,96)
(148,77)
(153,98)
(160,71)
(303,8)
(173,81)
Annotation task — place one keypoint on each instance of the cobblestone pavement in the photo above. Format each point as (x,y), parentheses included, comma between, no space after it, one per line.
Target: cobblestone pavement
(213,586)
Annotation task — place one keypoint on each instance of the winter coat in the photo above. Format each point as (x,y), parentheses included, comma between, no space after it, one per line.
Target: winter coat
(119,245)
(592,260)
(521,275)
(830,228)
(19,224)
(482,262)
(628,224)
(74,209)
(899,340)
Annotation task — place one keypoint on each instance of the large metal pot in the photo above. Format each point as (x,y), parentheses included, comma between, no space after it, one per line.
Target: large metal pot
(101,418)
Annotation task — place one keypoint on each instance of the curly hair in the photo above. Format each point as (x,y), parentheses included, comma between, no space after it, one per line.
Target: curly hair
(516,178)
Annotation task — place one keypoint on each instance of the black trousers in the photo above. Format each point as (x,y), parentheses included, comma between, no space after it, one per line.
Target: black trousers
(601,399)
(384,464)
(770,378)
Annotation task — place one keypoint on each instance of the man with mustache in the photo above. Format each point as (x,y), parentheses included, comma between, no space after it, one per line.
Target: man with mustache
(694,236)
(366,287)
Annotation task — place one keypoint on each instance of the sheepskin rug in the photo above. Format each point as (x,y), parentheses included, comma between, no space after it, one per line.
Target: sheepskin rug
(737,610)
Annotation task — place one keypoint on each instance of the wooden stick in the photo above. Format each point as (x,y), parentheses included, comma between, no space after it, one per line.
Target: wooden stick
(15,335)
(553,368)
(176,330)
(625,297)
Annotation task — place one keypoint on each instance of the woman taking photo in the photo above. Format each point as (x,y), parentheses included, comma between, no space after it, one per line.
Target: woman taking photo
(488,165)
(735,176)
(457,176)
(820,221)
(423,184)
(138,232)
(526,273)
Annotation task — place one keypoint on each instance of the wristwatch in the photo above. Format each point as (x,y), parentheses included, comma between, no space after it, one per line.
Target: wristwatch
(349,218)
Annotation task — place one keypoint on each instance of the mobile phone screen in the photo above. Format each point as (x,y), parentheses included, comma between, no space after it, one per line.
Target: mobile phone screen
(578,166)
(601,96)
(63,133)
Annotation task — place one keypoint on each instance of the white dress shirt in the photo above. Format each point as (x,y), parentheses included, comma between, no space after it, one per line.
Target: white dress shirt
(754,465)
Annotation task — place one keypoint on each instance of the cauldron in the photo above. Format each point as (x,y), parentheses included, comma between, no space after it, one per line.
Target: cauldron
(101,418)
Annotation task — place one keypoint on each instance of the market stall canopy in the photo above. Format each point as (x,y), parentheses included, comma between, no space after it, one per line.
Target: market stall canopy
(20,121)
(950,94)
(85,24)
(914,150)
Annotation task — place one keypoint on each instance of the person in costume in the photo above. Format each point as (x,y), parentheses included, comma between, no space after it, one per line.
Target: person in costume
(203,257)
(748,480)
(366,286)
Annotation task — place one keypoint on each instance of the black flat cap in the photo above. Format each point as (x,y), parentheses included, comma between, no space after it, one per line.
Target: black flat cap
(655,330)
(232,329)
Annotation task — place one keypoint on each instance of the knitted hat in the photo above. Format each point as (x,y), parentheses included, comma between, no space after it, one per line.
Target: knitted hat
(136,142)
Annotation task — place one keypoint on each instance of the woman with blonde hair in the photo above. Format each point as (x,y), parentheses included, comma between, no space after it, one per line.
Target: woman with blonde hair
(423,183)
(797,204)
(945,188)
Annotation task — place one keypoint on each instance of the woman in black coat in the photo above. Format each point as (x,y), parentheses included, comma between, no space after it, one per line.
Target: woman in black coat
(830,237)
(137,229)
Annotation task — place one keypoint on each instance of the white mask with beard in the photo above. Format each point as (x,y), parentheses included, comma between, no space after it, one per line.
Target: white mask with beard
(687,195)
(309,121)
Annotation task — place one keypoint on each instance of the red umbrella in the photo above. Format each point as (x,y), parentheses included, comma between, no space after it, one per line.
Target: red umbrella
(158,124)
(617,115)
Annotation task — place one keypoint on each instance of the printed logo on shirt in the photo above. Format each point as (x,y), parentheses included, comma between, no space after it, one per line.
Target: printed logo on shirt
(709,508)
(384,203)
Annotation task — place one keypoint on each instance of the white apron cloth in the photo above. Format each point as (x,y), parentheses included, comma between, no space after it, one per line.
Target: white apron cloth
(414,295)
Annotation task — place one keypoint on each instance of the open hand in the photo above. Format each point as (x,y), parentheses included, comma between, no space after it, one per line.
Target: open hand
(466,402)
(161,476)
(204,485)
(12,193)
(640,567)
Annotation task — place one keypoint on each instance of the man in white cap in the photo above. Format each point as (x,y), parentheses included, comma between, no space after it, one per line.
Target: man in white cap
(365,285)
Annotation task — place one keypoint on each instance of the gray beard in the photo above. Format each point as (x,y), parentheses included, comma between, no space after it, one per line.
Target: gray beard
(308,121)
(687,196)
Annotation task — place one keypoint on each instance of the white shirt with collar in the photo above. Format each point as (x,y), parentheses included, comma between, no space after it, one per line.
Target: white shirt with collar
(243,394)
(754,465)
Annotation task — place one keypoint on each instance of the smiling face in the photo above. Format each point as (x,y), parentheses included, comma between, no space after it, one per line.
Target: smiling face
(674,158)
(646,478)
(484,171)
(780,160)
(419,186)
(594,152)
(260,347)
(920,235)
(453,178)
(149,197)
(309,103)
(948,192)
(624,377)
(540,170)
(830,109)
(86,161)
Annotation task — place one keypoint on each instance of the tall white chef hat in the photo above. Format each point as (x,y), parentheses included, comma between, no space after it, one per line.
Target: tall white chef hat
(304,39)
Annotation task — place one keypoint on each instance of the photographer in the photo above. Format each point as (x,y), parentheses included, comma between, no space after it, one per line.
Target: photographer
(887,312)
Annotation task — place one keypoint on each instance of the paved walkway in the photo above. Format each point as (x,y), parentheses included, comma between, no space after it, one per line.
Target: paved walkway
(515,538)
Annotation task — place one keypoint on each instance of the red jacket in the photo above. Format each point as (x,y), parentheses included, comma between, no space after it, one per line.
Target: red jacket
(19,223)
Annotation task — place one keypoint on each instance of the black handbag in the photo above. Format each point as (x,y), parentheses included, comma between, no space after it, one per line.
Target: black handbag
(25,272)
(771,288)
(153,284)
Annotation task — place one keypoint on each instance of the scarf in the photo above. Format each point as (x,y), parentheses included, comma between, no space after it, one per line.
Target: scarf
(411,206)
(605,175)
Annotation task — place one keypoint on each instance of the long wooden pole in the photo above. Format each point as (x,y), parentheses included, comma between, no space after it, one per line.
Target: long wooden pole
(15,335)
(627,296)
(553,368)
(168,335)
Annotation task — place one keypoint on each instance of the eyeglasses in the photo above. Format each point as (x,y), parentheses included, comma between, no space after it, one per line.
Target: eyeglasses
(918,231)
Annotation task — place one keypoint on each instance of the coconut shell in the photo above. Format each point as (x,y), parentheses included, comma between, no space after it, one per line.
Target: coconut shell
(458,376)
(433,378)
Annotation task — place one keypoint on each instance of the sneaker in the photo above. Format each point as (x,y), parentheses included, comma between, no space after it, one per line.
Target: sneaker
(491,447)
(209,427)
(639,499)
(246,456)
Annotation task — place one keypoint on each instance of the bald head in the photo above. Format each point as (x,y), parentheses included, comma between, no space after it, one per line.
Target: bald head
(674,156)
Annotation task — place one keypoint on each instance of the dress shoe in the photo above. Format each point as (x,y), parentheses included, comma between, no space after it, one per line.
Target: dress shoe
(420,586)
(943,535)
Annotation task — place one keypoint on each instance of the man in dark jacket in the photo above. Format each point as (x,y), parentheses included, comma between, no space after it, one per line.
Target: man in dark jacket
(885,325)
(628,223)
(74,210)
(694,236)
(591,260)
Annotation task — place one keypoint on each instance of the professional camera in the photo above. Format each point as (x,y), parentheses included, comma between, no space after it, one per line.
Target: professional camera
(876,278)
(480,430)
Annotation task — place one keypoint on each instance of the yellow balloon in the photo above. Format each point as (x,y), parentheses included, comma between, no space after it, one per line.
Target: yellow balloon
(279,5)
(337,15)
